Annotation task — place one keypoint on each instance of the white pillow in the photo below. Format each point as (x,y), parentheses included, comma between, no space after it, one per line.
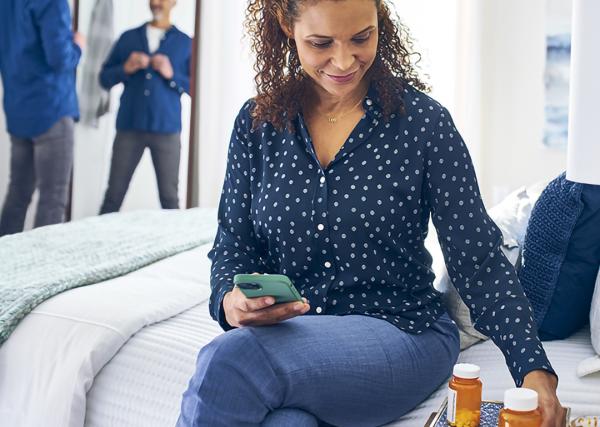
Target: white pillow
(592,364)
(595,316)
(512,216)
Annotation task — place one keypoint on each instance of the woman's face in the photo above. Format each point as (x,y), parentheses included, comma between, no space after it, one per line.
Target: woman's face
(337,42)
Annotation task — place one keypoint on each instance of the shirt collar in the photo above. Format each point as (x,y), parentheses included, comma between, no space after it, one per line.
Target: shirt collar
(372,103)
(169,30)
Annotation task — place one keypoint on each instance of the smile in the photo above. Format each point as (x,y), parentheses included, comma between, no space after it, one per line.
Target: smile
(342,79)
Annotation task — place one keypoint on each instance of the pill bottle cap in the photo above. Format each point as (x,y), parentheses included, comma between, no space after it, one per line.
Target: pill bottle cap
(520,399)
(466,370)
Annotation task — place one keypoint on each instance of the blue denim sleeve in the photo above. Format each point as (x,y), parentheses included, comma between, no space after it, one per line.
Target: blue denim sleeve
(236,249)
(471,243)
(54,21)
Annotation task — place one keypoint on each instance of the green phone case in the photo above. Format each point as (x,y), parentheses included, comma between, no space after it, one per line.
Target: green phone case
(278,286)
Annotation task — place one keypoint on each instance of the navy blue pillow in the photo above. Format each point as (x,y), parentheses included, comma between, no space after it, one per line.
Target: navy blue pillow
(549,230)
(569,306)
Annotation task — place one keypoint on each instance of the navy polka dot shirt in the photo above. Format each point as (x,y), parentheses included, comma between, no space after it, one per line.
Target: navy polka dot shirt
(351,236)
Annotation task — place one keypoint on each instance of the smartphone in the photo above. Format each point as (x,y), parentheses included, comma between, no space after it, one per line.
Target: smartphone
(278,286)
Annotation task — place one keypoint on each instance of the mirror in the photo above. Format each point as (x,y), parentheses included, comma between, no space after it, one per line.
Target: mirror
(142,50)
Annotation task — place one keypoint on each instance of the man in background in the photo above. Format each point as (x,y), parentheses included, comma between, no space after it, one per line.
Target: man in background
(153,63)
(38,57)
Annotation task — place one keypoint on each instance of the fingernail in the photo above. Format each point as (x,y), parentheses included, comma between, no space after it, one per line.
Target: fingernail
(299,307)
(269,301)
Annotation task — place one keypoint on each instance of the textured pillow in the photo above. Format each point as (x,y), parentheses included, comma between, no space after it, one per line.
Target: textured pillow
(511,216)
(569,303)
(592,364)
(548,233)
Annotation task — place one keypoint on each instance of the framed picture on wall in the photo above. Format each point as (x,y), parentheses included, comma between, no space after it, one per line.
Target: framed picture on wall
(556,76)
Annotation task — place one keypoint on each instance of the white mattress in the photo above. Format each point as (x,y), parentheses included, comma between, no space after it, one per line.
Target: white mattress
(143,383)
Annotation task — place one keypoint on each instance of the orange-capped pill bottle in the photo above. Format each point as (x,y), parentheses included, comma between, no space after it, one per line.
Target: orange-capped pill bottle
(520,409)
(464,396)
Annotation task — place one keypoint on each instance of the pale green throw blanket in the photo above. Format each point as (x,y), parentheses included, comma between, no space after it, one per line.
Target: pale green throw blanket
(41,263)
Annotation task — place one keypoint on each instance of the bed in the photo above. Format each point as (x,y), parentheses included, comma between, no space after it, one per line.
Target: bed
(142,383)
(120,353)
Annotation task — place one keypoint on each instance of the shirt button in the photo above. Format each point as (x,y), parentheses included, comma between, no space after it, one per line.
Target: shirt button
(319,310)
(148,76)
(173,84)
(327,264)
(146,92)
(321,227)
(322,180)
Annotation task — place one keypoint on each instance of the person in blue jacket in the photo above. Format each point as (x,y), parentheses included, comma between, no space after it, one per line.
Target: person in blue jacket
(38,57)
(153,63)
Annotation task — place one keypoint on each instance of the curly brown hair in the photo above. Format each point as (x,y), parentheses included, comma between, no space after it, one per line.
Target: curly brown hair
(279,79)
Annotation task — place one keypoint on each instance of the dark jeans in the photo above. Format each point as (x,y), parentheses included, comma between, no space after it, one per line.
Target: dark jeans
(43,162)
(126,154)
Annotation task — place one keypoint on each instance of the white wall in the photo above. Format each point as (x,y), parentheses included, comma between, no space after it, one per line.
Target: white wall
(513,98)
(438,48)
(226,81)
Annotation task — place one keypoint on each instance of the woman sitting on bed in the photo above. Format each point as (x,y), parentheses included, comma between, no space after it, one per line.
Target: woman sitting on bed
(333,172)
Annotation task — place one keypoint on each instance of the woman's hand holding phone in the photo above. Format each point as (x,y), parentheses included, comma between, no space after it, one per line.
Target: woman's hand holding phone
(242,311)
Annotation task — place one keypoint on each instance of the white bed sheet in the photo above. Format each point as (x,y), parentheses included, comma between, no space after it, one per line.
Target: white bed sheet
(143,383)
(49,362)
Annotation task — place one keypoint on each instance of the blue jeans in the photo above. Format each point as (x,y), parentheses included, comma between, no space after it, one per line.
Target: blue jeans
(317,370)
(43,162)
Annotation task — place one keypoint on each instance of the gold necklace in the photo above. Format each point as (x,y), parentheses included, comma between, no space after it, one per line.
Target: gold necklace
(333,119)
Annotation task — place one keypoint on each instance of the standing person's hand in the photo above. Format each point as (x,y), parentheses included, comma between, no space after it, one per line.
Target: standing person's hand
(544,383)
(136,61)
(162,64)
(242,311)
(79,40)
